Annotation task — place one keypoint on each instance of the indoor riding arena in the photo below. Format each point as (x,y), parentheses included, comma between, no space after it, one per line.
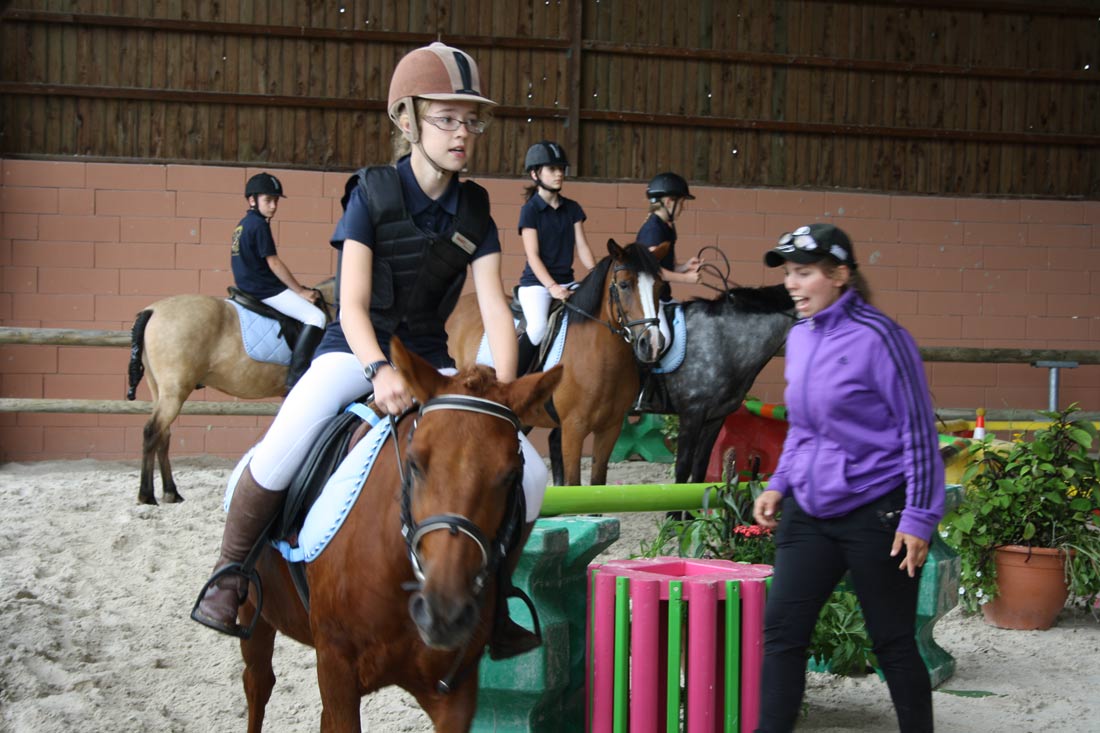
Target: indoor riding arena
(958,144)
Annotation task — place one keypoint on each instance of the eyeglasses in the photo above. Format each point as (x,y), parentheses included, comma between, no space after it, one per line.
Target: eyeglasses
(450,124)
(800,239)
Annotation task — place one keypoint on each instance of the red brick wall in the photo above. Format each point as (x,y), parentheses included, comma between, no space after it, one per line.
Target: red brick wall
(88,245)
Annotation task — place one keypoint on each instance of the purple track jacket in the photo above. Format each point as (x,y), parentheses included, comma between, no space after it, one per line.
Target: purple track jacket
(860,419)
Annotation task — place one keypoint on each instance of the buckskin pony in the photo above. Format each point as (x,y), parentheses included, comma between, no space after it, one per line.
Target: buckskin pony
(185,342)
(405,591)
(612,323)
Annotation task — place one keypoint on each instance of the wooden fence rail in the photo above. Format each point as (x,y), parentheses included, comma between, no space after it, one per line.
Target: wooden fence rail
(77,337)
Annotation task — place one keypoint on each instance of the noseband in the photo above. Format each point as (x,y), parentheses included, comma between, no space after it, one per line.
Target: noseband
(622,327)
(492,553)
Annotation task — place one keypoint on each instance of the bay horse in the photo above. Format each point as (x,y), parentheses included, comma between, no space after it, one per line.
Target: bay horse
(184,342)
(423,523)
(729,340)
(612,326)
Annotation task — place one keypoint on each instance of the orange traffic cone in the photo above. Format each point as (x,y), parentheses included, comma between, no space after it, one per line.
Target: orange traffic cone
(979,424)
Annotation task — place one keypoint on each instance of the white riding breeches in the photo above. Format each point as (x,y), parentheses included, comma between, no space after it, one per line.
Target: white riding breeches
(290,303)
(332,382)
(535,301)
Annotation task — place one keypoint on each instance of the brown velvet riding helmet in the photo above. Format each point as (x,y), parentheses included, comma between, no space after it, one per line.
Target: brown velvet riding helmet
(437,72)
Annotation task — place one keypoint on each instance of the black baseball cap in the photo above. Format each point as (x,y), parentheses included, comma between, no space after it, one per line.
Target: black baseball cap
(813,243)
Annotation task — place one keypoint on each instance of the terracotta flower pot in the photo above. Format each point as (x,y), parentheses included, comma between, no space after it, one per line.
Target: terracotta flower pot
(1031,584)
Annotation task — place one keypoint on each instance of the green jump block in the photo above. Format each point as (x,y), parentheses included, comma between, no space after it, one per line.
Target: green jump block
(543,690)
(643,439)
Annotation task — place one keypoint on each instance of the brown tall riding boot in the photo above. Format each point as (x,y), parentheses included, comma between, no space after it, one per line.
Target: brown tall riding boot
(509,639)
(250,511)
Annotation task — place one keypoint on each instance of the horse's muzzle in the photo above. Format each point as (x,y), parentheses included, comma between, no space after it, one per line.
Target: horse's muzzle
(648,345)
(443,623)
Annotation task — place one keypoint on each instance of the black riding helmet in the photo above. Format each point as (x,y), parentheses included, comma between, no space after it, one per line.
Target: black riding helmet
(667,184)
(545,153)
(262,183)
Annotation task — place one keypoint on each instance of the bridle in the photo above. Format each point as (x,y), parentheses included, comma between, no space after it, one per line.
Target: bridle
(623,327)
(492,552)
(414,532)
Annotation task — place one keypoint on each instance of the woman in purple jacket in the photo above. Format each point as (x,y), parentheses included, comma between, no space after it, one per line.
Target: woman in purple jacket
(859,487)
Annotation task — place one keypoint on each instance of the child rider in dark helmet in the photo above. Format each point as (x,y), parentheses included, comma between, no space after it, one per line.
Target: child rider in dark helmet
(259,271)
(552,228)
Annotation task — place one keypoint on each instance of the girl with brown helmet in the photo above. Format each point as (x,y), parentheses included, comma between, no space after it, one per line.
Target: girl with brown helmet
(408,234)
(552,228)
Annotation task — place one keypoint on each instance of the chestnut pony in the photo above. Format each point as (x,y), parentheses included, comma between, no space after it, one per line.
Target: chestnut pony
(440,508)
(612,326)
(182,343)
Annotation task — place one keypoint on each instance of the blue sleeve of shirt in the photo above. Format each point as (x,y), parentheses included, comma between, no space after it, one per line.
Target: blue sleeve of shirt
(651,233)
(263,243)
(355,223)
(491,244)
(528,216)
(576,213)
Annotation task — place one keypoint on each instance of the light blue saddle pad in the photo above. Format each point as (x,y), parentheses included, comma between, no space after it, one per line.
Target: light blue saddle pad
(553,356)
(674,357)
(261,337)
(328,513)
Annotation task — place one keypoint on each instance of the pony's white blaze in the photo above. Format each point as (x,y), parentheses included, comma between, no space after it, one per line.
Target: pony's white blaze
(646,284)
(655,339)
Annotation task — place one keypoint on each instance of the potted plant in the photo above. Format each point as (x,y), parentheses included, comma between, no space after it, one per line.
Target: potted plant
(1030,505)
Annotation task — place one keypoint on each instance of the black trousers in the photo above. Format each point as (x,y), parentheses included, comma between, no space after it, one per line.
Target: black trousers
(812,556)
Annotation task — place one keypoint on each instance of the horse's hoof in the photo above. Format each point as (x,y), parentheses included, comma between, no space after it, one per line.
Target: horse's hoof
(142,499)
(172,498)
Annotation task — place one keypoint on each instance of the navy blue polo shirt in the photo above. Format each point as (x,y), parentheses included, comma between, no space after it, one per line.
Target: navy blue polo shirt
(557,236)
(252,245)
(431,215)
(656,231)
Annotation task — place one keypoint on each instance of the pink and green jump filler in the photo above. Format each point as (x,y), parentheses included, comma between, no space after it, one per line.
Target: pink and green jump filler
(657,623)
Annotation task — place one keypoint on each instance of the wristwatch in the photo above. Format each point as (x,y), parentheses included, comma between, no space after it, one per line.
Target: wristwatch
(372,369)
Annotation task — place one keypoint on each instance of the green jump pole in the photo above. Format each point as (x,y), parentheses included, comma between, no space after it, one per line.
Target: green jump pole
(625,498)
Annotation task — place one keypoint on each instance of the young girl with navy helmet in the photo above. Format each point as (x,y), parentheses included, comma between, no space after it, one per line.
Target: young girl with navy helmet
(259,271)
(401,224)
(667,193)
(552,228)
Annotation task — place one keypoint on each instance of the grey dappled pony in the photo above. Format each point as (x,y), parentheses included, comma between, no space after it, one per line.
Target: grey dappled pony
(730,339)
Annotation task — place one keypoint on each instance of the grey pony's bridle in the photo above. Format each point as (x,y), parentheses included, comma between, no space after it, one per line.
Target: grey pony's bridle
(414,532)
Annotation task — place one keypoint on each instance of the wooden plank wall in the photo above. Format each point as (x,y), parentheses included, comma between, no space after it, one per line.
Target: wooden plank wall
(971,97)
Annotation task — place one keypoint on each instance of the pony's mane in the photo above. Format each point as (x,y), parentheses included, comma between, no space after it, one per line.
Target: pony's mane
(766,299)
(589,295)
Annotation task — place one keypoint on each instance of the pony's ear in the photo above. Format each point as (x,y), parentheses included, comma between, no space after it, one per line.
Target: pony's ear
(614,249)
(527,395)
(659,251)
(423,379)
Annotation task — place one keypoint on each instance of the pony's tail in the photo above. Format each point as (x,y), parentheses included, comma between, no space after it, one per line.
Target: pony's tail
(137,345)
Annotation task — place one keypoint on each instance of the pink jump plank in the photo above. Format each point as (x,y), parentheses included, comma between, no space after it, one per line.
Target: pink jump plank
(752,651)
(603,646)
(702,656)
(645,626)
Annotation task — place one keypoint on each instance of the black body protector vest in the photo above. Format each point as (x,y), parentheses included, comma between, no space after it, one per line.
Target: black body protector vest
(418,275)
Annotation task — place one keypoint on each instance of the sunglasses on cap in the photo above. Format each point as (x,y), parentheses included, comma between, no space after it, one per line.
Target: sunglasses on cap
(803,240)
